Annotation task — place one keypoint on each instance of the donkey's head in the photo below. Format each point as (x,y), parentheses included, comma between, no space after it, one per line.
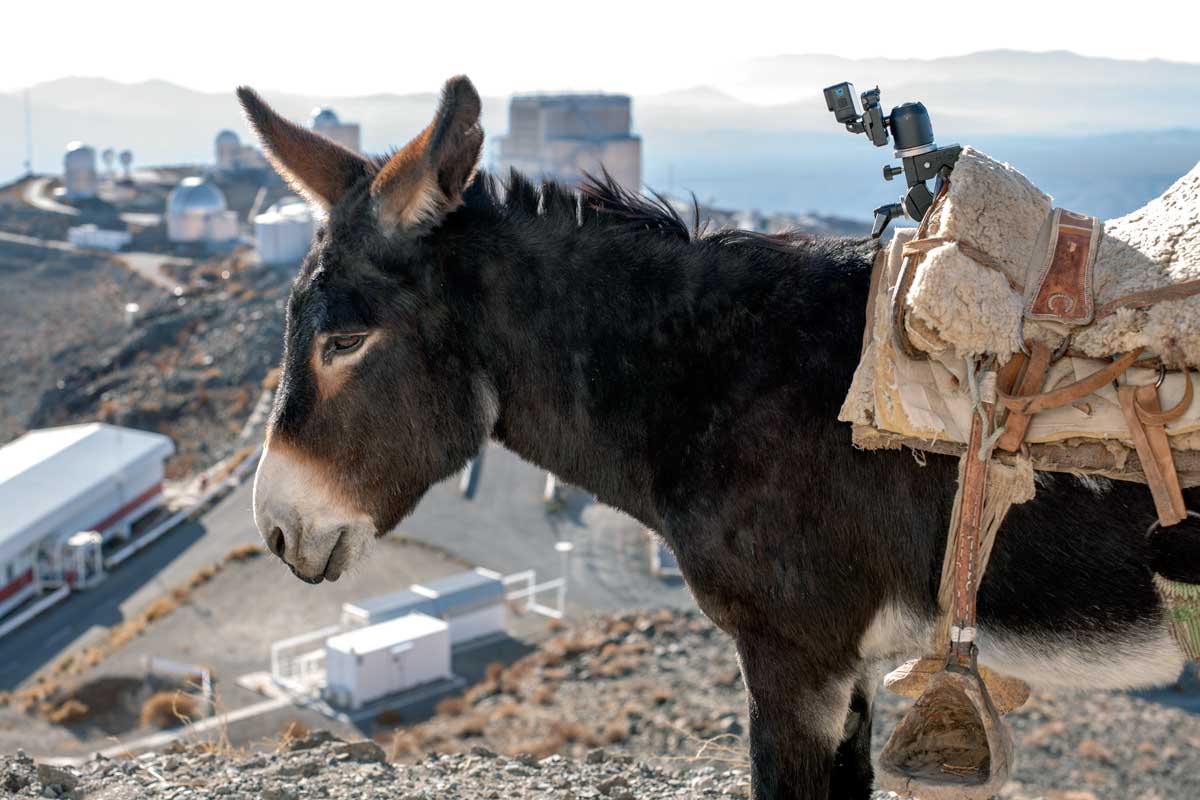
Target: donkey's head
(379,395)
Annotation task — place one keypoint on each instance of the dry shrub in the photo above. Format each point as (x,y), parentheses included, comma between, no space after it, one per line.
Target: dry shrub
(572,732)
(617,668)
(450,706)
(555,625)
(389,716)
(660,695)
(636,648)
(472,725)
(578,644)
(619,629)
(165,709)
(202,576)
(158,609)
(543,695)
(244,552)
(403,744)
(295,729)
(479,692)
(505,710)
(493,671)
(552,656)
(609,650)
(537,748)
(68,712)
(271,381)
(556,674)
(615,732)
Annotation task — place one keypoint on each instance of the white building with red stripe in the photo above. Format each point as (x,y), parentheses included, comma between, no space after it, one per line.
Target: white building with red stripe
(56,482)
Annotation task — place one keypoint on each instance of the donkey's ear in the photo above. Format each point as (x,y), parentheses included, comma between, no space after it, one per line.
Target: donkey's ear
(316,167)
(425,180)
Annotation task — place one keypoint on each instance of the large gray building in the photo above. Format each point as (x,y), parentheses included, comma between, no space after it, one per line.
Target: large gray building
(561,136)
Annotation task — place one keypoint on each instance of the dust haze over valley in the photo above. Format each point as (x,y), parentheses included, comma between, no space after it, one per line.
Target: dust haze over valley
(1100,135)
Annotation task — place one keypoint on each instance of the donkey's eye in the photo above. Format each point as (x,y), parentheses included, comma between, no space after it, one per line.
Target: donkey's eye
(340,345)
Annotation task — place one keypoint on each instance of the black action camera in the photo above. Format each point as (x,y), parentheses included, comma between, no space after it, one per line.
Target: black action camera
(912,133)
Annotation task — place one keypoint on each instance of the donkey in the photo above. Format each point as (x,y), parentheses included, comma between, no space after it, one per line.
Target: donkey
(692,381)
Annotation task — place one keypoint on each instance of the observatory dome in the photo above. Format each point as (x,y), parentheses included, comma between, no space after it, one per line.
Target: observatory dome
(79,153)
(228,137)
(195,194)
(323,117)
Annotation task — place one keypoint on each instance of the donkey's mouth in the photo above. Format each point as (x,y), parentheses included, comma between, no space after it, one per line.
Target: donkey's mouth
(335,564)
(314,580)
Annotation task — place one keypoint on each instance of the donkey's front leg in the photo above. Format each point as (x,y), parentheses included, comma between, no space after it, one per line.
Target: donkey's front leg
(853,772)
(798,710)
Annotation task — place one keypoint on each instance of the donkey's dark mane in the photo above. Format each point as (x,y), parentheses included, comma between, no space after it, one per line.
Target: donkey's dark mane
(600,200)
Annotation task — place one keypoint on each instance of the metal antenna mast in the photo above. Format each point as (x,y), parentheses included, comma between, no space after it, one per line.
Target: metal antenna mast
(28,135)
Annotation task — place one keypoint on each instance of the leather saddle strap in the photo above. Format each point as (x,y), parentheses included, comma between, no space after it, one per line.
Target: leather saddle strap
(1072,392)
(1016,424)
(966,544)
(1153,416)
(1149,297)
(1154,451)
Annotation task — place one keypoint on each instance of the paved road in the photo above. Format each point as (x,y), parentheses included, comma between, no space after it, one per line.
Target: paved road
(147,265)
(37,194)
(503,527)
(130,588)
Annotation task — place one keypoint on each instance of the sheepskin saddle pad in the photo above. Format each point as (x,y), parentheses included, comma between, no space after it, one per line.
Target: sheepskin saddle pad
(980,247)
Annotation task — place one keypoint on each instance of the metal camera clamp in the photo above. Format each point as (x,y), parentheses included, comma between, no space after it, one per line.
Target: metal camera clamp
(912,131)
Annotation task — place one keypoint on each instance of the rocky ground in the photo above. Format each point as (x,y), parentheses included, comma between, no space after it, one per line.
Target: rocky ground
(317,766)
(664,687)
(644,704)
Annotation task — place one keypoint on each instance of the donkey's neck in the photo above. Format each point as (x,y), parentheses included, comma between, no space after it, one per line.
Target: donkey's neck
(617,356)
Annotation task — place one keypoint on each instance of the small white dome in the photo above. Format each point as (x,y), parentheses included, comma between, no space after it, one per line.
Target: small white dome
(228,137)
(195,194)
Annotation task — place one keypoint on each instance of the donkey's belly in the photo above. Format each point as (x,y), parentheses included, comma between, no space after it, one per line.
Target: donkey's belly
(1136,658)
(1107,658)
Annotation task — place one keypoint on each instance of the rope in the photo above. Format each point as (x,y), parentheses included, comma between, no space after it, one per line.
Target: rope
(978,401)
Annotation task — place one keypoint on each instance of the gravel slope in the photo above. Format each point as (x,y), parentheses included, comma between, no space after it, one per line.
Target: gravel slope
(658,693)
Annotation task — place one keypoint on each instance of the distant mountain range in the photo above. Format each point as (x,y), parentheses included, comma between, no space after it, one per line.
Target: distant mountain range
(1103,132)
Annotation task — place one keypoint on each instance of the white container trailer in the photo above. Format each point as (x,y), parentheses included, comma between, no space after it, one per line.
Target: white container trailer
(379,660)
(472,603)
(378,609)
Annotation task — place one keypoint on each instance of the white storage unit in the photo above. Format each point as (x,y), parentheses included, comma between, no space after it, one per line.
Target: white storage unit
(96,238)
(59,481)
(283,233)
(384,607)
(472,603)
(379,660)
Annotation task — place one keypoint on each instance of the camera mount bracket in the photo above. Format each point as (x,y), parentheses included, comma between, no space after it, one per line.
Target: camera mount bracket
(921,158)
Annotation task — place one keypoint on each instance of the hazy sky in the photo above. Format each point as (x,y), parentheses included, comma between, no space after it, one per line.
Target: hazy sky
(347,47)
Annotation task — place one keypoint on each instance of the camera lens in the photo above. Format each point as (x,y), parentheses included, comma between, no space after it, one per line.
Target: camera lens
(911,129)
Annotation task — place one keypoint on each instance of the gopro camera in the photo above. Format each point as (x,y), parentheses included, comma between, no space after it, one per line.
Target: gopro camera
(912,135)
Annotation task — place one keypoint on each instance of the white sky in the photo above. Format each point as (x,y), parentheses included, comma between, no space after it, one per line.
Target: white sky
(348,47)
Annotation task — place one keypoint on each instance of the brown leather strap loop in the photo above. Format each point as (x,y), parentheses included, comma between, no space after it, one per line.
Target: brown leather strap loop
(1016,424)
(1149,297)
(1071,392)
(1150,417)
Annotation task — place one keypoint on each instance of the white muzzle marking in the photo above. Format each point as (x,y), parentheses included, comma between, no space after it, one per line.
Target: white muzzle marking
(322,537)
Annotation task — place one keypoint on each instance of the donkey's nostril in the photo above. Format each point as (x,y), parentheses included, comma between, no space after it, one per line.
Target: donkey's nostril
(275,541)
